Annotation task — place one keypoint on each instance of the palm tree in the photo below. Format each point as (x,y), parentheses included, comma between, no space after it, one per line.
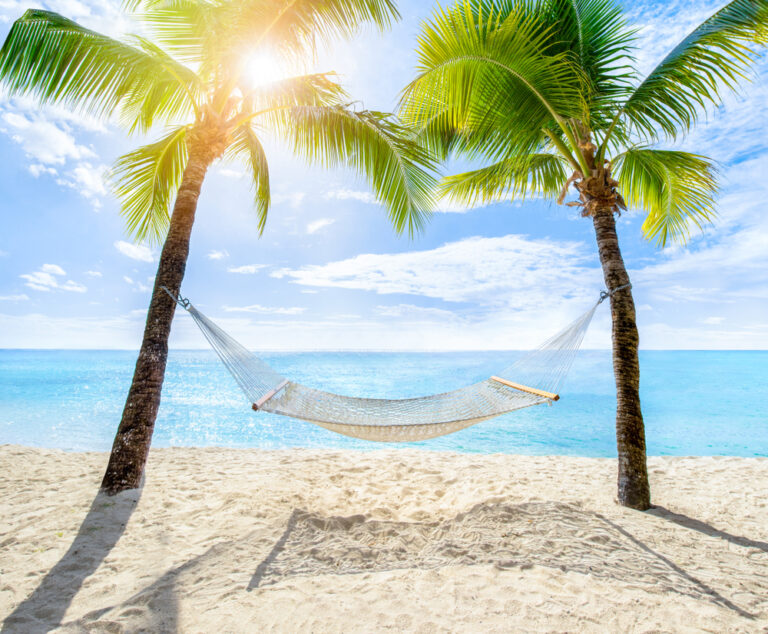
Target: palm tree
(546,95)
(193,78)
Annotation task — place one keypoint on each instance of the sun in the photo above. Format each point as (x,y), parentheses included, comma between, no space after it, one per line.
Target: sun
(262,68)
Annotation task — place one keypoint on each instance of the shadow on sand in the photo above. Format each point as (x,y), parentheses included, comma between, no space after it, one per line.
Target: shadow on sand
(706,529)
(102,527)
(551,534)
(555,535)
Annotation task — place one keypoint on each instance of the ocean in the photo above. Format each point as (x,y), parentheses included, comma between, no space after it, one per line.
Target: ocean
(695,402)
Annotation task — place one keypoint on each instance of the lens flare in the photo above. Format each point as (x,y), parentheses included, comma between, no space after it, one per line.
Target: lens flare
(261,69)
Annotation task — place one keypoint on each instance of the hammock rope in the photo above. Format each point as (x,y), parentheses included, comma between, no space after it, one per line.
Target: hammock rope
(533,379)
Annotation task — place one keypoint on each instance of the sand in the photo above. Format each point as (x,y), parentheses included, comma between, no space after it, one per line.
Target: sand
(409,541)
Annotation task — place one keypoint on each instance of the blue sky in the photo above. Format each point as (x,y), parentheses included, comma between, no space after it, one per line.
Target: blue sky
(329,272)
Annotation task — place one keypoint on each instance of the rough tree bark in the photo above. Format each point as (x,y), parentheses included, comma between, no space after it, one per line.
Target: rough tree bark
(634,490)
(134,435)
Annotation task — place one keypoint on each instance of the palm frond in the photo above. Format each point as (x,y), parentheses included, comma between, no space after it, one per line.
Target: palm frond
(218,33)
(513,178)
(146,181)
(379,148)
(317,89)
(676,189)
(57,60)
(597,34)
(298,26)
(715,56)
(488,83)
(190,30)
(247,147)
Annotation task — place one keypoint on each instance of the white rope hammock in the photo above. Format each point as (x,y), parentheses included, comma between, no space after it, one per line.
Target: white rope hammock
(531,380)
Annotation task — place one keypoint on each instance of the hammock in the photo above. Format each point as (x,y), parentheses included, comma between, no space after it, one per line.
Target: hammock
(537,376)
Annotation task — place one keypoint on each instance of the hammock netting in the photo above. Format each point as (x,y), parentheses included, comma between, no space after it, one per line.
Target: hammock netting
(399,420)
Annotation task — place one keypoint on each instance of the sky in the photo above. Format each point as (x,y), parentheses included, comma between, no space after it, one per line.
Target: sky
(329,272)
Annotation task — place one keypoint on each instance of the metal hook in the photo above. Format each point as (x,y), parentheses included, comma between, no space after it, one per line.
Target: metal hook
(181,301)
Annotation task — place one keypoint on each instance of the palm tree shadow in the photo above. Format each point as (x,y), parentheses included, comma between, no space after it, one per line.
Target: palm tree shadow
(101,529)
(695,583)
(706,529)
(153,609)
(279,546)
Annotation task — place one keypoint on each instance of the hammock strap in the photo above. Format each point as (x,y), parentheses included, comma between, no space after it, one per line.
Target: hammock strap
(181,301)
(606,294)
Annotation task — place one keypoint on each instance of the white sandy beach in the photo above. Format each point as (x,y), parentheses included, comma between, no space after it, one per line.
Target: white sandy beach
(340,541)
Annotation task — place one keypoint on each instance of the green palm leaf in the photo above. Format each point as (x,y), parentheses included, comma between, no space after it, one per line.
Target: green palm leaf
(516,178)
(716,55)
(146,180)
(676,189)
(376,146)
(318,89)
(210,32)
(247,147)
(57,60)
(489,83)
(596,33)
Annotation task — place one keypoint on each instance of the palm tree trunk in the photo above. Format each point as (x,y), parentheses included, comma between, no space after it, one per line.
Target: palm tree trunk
(134,435)
(634,490)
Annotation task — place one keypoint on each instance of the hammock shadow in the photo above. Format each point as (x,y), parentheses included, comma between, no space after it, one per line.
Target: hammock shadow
(550,534)
(101,529)
(706,529)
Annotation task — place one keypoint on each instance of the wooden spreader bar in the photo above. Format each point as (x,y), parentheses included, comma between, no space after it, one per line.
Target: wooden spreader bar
(525,388)
(258,404)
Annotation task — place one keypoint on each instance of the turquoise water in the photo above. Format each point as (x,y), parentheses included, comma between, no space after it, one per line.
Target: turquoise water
(695,403)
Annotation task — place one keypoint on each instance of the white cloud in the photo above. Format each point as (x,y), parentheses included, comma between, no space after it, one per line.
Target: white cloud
(75,287)
(217,255)
(658,335)
(444,205)
(316,225)
(14,298)
(45,280)
(713,321)
(293,199)
(47,134)
(40,281)
(246,269)
(136,285)
(47,143)
(135,251)
(36,169)
(88,180)
(518,292)
(229,173)
(448,206)
(415,313)
(88,331)
(43,141)
(663,24)
(54,269)
(55,113)
(93,273)
(265,310)
(351,194)
(729,262)
(510,268)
